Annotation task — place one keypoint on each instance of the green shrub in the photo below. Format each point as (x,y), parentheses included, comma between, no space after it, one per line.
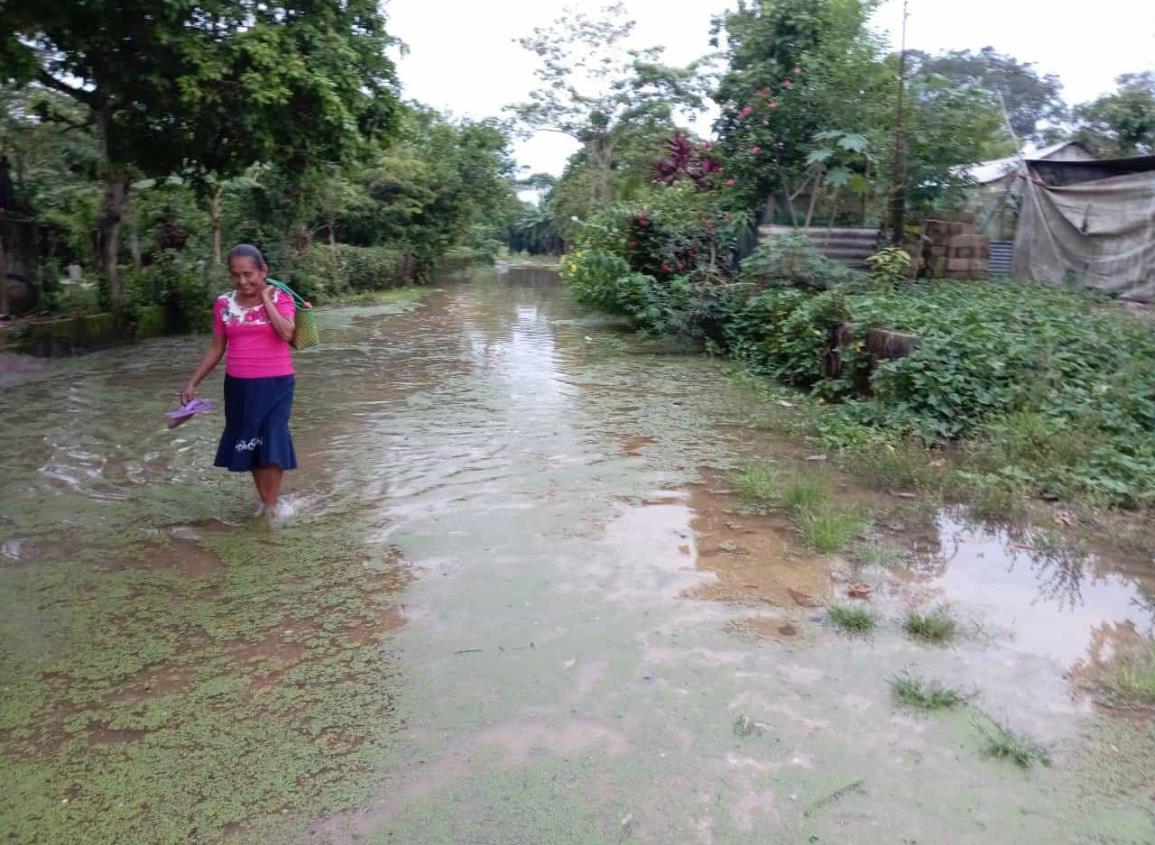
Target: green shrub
(792,261)
(327,273)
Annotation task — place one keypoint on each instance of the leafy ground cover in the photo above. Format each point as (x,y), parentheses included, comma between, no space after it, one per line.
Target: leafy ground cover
(1043,391)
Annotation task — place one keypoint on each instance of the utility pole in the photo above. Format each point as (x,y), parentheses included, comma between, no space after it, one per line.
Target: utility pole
(898,173)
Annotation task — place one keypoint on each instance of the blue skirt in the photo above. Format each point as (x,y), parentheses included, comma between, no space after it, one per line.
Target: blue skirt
(257,412)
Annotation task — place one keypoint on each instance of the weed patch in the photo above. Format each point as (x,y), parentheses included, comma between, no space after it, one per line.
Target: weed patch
(828,528)
(851,620)
(937,627)
(758,482)
(1005,744)
(801,493)
(915,693)
(1133,679)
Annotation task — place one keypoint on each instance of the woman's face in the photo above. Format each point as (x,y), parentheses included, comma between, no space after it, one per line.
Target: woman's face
(248,278)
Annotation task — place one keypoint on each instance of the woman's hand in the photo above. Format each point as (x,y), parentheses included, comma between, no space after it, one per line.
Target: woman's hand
(188,394)
(266,294)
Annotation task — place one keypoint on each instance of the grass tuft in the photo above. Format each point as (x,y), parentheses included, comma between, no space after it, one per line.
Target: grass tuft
(851,620)
(1133,679)
(1005,744)
(758,481)
(828,529)
(918,694)
(937,626)
(803,493)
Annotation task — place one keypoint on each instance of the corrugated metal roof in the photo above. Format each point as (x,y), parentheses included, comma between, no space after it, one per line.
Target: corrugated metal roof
(991,171)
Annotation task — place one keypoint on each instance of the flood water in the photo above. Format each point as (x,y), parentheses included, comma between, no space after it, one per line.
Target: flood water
(519,604)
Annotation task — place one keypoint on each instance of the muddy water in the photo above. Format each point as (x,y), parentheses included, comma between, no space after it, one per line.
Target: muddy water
(520,604)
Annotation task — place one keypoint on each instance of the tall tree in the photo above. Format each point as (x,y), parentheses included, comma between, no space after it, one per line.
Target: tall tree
(205,88)
(600,93)
(1122,123)
(1032,100)
(795,68)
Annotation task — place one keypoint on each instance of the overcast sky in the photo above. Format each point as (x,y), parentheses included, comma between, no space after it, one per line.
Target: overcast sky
(462,57)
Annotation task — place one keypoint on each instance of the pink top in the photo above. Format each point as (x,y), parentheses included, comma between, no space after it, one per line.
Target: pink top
(255,350)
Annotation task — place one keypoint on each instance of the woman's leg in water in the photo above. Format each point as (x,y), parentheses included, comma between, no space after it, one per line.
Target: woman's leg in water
(268,482)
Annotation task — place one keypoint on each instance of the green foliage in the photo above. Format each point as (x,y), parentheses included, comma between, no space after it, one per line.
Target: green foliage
(851,619)
(792,260)
(789,66)
(662,263)
(328,273)
(937,626)
(211,89)
(784,332)
(1005,744)
(890,265)
(1133,678)
(803,492)
(758,481)
(1030,99)
(1052,390)
(1122,123)
(916,693)
(829,528)
(618,103)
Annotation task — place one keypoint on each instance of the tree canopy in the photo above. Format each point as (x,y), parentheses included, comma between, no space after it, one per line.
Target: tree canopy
(1121,123)
(1034,102)
(205,88)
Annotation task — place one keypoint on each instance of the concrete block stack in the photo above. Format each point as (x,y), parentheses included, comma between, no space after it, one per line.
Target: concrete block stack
(952,249)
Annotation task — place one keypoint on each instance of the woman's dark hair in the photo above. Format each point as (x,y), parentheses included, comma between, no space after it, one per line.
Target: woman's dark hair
(248,251)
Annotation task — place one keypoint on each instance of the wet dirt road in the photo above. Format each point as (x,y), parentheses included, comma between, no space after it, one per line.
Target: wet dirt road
(520,604)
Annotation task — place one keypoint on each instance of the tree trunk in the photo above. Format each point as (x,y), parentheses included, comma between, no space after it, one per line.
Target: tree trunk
(134,240)
(111,218)
(215,217)
(3,272)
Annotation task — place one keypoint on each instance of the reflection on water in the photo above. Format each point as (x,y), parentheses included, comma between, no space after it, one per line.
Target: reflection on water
(1058,599)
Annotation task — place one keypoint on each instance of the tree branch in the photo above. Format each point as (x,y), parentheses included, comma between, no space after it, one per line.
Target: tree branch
(49,81)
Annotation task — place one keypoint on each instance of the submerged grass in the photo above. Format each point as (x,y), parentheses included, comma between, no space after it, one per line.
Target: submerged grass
(1005,744)
(937,627)
(851,620)
(916,693)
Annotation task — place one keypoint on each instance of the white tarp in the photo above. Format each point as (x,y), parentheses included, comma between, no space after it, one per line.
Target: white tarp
(1081,224)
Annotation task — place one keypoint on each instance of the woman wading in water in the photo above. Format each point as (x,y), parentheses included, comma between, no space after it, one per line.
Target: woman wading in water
(252,327)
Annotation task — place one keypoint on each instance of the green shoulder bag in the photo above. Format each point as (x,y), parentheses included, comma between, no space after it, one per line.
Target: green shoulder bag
(305,332)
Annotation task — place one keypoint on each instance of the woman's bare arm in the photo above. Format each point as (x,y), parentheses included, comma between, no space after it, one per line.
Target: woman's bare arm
(211,358)
(282,325)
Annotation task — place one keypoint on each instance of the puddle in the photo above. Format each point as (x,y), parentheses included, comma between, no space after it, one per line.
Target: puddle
(1063,603)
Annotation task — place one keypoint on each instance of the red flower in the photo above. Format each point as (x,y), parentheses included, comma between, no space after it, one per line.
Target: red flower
(797,70)
(665,266)
(730,183)
(755,150)
(772,104)
(787,84)
(745,113)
